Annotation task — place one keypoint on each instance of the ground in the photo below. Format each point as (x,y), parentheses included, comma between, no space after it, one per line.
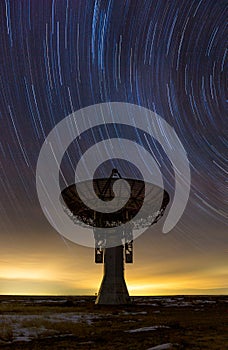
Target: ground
(179,322)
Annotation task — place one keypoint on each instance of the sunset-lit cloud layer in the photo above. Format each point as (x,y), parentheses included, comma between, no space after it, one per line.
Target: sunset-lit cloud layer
(62,268)
(36,281)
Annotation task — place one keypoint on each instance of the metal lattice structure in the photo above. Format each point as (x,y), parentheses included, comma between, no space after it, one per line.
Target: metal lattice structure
(81,214)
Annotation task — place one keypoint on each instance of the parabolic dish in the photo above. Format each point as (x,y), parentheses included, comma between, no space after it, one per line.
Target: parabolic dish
(81,214)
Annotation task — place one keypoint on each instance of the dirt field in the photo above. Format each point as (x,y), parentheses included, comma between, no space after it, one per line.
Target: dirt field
(180,322)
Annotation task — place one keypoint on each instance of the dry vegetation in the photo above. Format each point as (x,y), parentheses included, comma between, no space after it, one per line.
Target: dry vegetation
(187,323)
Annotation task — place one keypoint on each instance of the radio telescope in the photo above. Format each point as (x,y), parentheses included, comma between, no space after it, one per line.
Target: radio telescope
(116,246)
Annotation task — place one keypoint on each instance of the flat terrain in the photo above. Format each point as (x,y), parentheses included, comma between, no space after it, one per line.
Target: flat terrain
(177,322)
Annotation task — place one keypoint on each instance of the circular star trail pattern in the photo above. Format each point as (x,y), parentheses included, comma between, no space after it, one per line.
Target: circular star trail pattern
(59,56)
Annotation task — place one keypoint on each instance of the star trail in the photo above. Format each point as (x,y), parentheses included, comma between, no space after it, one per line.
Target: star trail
(62,55)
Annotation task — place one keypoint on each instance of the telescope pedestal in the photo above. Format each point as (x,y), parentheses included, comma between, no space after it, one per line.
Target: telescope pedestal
(113,289)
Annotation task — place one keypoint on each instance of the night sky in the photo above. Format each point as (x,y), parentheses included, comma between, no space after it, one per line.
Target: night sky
(59,56)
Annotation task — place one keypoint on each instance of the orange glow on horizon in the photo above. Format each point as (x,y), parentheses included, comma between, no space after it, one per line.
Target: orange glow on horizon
(18,281)
(72,271)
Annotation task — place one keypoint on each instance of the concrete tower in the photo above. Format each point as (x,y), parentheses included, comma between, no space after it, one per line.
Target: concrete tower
(113,289)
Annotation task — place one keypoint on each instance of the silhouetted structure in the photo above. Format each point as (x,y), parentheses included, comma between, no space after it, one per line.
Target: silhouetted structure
(115,246)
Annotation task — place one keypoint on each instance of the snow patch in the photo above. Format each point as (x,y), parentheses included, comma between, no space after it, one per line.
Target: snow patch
(135,313)
(145,329)
(161,347)
(20,332)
